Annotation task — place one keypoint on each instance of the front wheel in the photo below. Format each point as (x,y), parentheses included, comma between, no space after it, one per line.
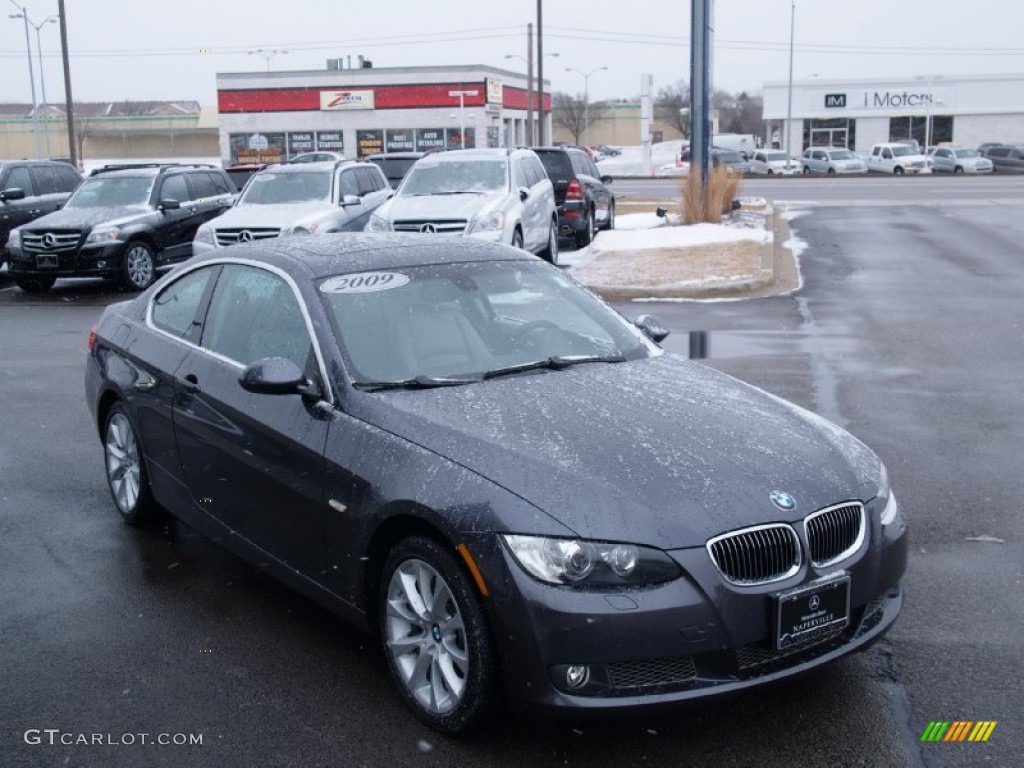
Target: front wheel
(807,170)
(139,266)
(35,284)
(958,169)
(831,171)
(435,637)
(898,170)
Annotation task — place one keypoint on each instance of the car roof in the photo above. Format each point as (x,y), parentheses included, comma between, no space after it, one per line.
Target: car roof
(395,155)
(322,166)
(481,153)
(317,256)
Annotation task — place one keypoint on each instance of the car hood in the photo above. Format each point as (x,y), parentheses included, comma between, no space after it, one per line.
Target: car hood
(86,218)
(464,206)
(664,451)
(280,215)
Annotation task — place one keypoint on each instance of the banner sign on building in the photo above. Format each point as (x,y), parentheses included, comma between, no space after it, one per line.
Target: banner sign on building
(330,141)
(334,100)
(257,147)
(429,138)
(494,91)
(369,142)
(399,140)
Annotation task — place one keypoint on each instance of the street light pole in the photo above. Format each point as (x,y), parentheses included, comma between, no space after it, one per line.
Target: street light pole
(462,113)
(266,55)
(23,14)
(42,77)
(586,99)
(789,106)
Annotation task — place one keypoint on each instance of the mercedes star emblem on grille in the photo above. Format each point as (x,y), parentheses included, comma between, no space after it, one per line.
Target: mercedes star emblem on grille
(49,240)
(430,229)
(245,236)
(782,500)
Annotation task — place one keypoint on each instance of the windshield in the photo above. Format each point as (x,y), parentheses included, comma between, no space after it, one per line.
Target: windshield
(112,192)
(269,188)
(730,157)
(842,154)
(451,177)
(966,153)
(468,320)
(902,151)
(395,168)
(773,157)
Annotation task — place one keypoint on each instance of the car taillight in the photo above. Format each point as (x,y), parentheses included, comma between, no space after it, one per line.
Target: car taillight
(574,191)
(92,338)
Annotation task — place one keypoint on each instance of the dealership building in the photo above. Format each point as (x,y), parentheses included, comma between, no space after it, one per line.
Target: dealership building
(860,113)
(268,117)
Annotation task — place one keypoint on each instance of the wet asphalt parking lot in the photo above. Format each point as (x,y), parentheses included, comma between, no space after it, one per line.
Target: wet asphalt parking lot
(908,331)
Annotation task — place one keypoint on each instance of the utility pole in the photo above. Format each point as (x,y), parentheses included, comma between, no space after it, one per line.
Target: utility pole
(31,75)
(541,139)
(69,108)
(789,105)
(530,137)
(42,76)
(700,89)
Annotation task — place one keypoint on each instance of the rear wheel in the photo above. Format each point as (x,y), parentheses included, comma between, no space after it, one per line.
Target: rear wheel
(436,637)
(517,239)
(126,470)
(898,170)
(139,268)
(958,169)
(807,170)
(831,171)
(550,252)
(35,284)
(586,236)
(610,224)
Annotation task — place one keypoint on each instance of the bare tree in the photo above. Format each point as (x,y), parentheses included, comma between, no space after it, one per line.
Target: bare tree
(669,104)
(573,114)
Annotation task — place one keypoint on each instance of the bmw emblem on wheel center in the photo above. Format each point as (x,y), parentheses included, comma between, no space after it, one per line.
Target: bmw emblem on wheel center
(782,500)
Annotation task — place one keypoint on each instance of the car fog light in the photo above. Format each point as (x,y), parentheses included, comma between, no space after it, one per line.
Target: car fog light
(577,676)
(100,264)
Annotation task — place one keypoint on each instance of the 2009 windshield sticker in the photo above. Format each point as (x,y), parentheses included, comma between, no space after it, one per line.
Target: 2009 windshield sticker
(365,282)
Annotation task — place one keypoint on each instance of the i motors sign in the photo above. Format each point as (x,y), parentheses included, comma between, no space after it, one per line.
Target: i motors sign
(334,100)
(835,100)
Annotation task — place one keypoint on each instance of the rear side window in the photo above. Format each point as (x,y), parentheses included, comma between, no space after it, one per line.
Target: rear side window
(19,178)
(200,186)
(67,179)
(175,188)
(999,152)
(174,308)
(534,170)
(369,181)
(557,165)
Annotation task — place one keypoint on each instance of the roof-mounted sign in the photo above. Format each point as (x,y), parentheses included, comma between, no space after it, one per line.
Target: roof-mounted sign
(333,100)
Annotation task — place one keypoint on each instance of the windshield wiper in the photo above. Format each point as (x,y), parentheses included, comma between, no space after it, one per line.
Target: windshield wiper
(554,363)
(417,382)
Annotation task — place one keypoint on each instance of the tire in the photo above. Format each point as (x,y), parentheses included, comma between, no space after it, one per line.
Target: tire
(126,469)
(771,172)
(139,268)
(550,252)
(898,170)
(610,224)
(35,284)
(586,237)
(517,239)
(958,169)
(807,170)
(440,656)
(831,171)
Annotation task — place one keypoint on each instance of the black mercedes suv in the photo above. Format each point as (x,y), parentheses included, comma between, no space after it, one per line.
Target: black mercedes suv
(123,222)
(585,204)
(30,189)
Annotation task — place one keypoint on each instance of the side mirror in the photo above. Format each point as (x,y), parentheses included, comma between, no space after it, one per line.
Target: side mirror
(652,327)
(350,200)
(276,376)
(523,193)
(14,193)
(169,205)
(606,179)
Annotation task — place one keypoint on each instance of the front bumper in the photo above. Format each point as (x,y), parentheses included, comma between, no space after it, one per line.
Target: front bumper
(692,637)
(101,260)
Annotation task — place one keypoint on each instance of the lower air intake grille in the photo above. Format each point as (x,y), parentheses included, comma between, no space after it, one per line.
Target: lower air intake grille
(648,673)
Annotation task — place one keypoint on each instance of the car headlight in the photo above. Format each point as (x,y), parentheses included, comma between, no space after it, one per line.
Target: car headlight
(584,563)
(891,510)
(205,235)
(308,229)
(14,238)
(378,224)
(103,235)
(488,222)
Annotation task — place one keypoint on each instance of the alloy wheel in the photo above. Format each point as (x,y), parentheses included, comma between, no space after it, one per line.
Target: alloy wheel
(123,465)
(139,266)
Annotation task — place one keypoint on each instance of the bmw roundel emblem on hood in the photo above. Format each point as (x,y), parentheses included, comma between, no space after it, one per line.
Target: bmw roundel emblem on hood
(782,500)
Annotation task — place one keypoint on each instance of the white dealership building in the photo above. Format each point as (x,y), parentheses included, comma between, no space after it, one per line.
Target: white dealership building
(860,113)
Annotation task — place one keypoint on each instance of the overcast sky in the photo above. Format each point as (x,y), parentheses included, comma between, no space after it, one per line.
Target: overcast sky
(147,49)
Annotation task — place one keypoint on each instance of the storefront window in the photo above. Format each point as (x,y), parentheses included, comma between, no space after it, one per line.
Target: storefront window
(832,132)
(902,128)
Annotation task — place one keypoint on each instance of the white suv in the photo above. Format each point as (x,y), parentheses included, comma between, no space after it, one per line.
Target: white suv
(500,195)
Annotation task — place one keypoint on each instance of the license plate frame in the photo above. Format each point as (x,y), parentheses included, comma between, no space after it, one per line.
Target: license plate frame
(811,610)
(47,261)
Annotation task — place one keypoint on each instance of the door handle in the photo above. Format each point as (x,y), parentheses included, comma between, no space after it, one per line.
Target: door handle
(190,383)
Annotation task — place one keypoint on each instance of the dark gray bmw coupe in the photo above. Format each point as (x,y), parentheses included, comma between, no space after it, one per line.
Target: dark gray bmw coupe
(457,447)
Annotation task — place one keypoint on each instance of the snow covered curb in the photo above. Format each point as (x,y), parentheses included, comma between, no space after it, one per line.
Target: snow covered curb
(675,262)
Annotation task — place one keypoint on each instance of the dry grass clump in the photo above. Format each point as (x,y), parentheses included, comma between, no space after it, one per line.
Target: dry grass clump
(722,188)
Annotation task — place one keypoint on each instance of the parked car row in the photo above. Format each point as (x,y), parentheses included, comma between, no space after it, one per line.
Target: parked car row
(127,221)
